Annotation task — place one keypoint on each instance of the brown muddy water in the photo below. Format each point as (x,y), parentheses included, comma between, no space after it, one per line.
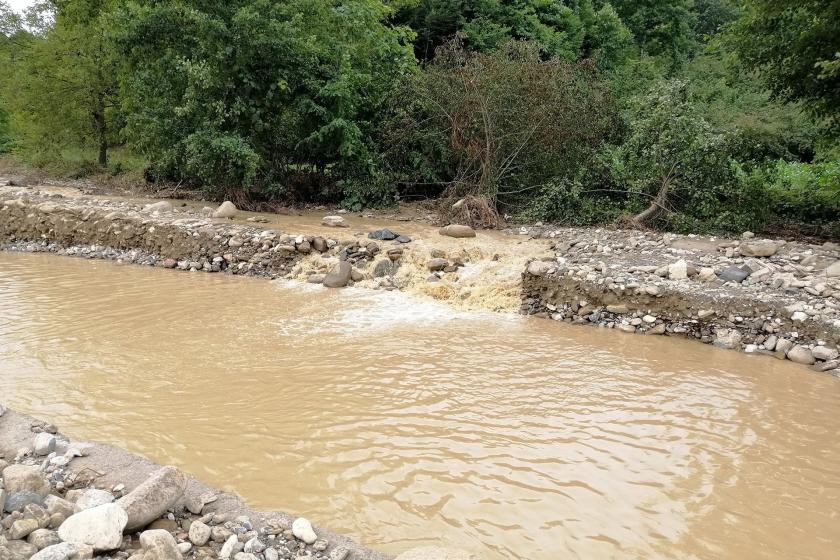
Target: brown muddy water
(401,422)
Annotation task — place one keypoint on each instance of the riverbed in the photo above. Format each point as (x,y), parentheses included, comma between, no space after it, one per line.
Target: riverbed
(401,421)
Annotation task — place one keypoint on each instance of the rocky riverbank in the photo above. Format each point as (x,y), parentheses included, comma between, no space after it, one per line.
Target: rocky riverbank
(68,500)
(761,296)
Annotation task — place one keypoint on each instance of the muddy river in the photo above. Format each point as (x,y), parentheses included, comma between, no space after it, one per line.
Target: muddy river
(402,422)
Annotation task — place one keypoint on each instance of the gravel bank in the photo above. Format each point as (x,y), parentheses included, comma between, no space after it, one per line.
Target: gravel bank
(764,296)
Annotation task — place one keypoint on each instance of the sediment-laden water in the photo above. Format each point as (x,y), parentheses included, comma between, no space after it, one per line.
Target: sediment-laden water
(402,422)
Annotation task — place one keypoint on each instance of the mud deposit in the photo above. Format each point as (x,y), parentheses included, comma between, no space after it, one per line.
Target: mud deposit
(400,422)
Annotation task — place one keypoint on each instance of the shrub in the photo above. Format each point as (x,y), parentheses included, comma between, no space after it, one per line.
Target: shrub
(503,124)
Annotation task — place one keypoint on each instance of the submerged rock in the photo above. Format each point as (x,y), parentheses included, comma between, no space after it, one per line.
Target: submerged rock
(384,267)
(437,264)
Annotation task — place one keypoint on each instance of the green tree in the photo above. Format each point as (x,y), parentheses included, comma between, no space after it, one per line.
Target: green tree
(63,85)
(501,125)
(662,28)
(572,30)
(796,48)
(672,161)
(247,95)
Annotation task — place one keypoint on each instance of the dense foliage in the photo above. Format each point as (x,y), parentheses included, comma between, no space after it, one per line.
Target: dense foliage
(690,115)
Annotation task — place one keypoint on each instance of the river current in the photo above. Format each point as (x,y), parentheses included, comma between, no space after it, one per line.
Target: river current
(401,421)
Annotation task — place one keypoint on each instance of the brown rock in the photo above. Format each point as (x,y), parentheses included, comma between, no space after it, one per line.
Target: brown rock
(457,230)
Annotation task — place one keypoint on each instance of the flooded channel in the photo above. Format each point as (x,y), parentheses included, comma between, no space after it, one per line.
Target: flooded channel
(400,421)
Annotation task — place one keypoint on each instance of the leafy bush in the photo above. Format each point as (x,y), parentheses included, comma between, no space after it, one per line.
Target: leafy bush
(506,123)
(5,132)
(797,197)
(250,94)
(672,158)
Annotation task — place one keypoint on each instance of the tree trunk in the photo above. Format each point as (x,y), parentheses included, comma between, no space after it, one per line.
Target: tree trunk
(658,204)
(102,136)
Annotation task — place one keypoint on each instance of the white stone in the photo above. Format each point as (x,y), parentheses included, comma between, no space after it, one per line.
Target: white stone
(649,319)
(44,444)
(64,551)
(302,529)
(100,527)
(199,533)
(93,497)
(799,316)
(538,268)
(334,221)
(226,209)
(678,270)
(227,548)
(825,353)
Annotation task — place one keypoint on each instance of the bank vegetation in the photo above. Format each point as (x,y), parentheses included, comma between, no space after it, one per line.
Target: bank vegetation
(705,115)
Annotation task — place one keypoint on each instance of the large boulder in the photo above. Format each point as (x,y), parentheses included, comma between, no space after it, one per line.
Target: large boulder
(226,209)
(833,271)
(539,268)
(100,527)
(758,248)
(457,230)
(151,499)
(339,276)
(800,355)
(159,545)
(18,478)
